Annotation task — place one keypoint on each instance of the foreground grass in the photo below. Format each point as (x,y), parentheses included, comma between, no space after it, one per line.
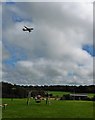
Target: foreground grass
(56,109)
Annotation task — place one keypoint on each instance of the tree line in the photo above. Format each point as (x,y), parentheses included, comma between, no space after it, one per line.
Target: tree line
(20,91)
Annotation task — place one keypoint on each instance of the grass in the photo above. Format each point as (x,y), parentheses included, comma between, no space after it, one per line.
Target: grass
(56,109)
(59,93)
(90,95)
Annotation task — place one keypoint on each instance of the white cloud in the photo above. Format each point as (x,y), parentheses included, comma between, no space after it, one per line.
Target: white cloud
(54,48)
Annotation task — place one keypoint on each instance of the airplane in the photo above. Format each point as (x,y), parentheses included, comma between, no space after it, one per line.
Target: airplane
(27,29)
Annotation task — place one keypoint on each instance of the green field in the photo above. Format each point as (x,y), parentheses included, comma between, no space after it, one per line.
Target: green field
(56,109)
(60,93)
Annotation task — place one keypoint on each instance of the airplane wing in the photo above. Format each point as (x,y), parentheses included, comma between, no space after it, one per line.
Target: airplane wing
(25,27)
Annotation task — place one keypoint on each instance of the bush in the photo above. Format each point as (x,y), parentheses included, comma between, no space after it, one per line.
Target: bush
(65,97)
(93,98)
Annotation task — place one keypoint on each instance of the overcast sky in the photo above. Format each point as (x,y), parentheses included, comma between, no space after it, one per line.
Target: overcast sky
(59,51)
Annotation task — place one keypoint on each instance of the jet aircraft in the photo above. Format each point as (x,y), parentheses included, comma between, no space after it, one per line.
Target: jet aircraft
(27,29)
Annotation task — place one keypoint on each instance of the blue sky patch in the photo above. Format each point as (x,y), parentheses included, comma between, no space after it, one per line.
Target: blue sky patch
(89,49)
(15,52)
(10,2)
(70,73)
(18,18)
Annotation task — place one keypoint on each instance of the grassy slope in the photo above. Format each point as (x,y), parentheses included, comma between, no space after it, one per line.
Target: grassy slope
(57,109)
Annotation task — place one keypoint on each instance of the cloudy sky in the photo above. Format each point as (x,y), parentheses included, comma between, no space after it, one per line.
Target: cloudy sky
(59,51)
